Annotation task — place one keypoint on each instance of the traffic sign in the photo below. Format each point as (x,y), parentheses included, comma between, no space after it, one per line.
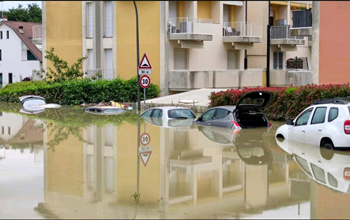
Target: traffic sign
(145,81)
(145,67)
(145,139)
(145,154)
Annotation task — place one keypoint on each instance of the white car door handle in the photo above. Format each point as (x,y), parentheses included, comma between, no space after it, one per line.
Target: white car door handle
(303,131)
(320,129)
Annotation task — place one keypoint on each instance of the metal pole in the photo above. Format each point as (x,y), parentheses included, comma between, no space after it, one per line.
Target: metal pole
(138,58)
(268,49)
(245,51)
(144,99)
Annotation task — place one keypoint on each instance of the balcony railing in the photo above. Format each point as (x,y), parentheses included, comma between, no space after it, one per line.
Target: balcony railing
(186,25)
(302,18)
(37,32)
(244,29)
(100,73)
(282,32)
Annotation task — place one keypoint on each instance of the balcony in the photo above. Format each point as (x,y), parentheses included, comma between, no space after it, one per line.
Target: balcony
(100,74)
(242,34)
(190,32)
(37,35)
(302,23)
(280,36)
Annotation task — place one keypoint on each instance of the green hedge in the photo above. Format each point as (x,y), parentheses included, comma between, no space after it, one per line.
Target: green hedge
(78,91)
(287,102)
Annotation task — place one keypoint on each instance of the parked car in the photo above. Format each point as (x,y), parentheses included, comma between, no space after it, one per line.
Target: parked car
(325,123)
(105,110)
(333,173)
(246,114)
(169,116)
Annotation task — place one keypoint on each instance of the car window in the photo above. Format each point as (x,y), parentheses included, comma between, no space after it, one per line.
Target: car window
(304,118)
(221,113)
(147,113)
(333,114)
(303,164)
(332,181)
(157,113)
(319,115)
(181,113)
(318,173)
(209,115)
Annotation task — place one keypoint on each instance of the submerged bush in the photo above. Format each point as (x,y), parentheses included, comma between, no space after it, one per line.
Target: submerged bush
(287,102)
(78,91)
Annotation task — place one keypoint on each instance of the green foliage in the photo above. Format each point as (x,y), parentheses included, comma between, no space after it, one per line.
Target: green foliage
(30,14)
(73,92)
(61,72)
(290,90)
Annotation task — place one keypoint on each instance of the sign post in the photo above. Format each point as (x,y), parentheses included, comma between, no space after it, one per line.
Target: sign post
(145,69)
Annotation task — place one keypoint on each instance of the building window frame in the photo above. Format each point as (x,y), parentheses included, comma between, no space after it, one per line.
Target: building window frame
(278,60)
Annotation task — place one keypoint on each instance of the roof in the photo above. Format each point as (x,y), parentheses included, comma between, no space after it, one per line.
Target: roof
(26,36)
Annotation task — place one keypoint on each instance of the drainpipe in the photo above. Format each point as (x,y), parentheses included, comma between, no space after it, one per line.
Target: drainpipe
(268,48)
(245,51)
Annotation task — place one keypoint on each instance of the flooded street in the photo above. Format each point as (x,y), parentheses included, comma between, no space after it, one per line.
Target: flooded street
(65,163)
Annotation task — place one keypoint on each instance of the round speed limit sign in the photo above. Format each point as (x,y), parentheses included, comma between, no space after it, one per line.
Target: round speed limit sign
(145,139)
(145,81)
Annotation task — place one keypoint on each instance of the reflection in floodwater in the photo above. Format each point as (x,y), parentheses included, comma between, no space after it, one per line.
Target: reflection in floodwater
(95,167)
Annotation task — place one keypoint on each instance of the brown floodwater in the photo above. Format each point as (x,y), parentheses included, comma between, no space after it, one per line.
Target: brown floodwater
(65,163)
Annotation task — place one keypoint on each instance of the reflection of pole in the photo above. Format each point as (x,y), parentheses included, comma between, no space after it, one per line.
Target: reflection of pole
(138,158)
(138,58)
(298,206)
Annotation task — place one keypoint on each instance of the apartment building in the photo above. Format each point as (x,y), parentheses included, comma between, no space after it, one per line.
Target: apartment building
(190,44)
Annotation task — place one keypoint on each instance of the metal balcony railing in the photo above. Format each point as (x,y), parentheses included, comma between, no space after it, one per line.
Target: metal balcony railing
(100,73)
(240,28)
(282,32)
(302,18)
(37,32)
(186,25)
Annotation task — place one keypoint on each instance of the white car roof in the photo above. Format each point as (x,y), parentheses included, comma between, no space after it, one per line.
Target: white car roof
(169,108)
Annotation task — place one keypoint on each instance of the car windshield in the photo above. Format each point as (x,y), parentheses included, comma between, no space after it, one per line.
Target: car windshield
(181,114)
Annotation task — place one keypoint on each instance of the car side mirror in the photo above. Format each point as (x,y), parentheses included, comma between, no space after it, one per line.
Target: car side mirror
(290,122)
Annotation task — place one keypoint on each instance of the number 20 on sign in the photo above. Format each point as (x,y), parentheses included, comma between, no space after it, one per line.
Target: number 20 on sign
(145,81)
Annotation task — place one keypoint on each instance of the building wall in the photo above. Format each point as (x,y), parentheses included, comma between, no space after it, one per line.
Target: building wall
(334,42)
(12,60)
(14,122)
(64,29)
(149,28)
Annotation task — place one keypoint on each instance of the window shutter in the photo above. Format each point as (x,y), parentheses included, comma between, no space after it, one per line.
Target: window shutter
(90,59)
(89,23)
(108,19)
(109,63)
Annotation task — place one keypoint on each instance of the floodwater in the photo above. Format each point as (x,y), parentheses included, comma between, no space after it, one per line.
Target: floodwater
(65,163)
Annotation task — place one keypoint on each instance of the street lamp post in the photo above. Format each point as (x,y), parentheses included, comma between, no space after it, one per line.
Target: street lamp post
(137,55)
(268,48)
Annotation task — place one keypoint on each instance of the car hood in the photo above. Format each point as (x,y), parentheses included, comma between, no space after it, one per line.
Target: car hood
(262,99)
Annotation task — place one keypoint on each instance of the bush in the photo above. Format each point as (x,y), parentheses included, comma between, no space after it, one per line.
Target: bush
(78,91)
(287,102)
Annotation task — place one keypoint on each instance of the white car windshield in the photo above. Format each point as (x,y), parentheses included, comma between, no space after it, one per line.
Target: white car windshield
(181,113)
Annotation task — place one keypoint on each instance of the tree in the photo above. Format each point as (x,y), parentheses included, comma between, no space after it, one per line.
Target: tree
(30,14)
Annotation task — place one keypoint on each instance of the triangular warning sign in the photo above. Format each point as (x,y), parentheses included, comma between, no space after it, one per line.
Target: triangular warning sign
(145,157)
(145,64)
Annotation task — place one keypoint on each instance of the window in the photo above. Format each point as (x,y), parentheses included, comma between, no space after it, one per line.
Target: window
(108,19)
(221,113)
(318,173)
(10,78)
(0,55)
(278,60)
(208,115)
(319,115)
(157,113)
(1,35)
(2,130)
(109,64)
(303,164)
(90,59)
(181,113)
(332,181)
(89,20)
(180,59)
(30,55)
(8,34)
(147,113)
(304,118)
(333,114)
(9,130)
(0,80)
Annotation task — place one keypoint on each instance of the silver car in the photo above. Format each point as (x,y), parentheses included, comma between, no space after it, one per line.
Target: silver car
(243,115)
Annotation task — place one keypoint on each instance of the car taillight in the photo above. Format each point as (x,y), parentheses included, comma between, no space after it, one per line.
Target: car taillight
(270,124)
(236,125)
(347,127)
(347,173)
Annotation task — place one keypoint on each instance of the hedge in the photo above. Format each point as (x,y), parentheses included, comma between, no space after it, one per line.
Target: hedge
(78,91)
(287,102)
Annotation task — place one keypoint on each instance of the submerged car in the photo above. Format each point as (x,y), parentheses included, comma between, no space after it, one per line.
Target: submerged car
(169,116)
(105,110)
(246,114)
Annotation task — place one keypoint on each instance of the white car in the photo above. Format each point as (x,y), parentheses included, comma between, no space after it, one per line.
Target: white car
(325,123)
(333,173)
(169,116)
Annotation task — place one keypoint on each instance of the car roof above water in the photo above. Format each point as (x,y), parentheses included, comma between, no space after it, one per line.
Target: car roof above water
(227,107)
(168,108)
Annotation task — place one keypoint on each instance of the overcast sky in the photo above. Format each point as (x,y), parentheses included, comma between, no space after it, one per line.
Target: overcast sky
(6,5)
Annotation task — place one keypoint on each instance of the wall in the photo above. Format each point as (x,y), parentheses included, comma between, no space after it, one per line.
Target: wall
(334,42)
(204,9)
(64,29)
(149,29)
(14,122)
(12,62)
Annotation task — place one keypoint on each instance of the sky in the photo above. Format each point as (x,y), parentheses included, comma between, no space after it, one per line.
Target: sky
(6,5)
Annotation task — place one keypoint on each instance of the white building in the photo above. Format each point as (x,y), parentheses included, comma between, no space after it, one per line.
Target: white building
(20,50)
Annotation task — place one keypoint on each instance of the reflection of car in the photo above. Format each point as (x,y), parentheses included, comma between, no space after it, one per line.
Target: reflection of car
(223,136)
(243,115)
(333,173)
(325,123)
(169,116)
(105,110)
